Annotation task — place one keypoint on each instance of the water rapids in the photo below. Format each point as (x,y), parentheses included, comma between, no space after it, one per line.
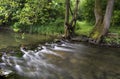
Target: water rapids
(34,63)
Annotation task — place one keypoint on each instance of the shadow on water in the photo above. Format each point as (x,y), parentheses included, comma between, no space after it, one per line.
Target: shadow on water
(64,60)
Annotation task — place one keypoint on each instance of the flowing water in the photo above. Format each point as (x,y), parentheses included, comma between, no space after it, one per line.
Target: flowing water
(64,60)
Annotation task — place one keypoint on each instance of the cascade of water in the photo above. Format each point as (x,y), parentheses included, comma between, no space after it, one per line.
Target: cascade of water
(63,60)
(31,64)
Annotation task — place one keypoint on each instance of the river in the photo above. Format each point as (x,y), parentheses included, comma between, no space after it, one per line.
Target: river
(8,38)
(64,60)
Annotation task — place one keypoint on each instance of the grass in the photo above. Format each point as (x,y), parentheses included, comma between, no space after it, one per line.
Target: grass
(83,28)
(115,29)
(50,29)
(115,38)
(57,28)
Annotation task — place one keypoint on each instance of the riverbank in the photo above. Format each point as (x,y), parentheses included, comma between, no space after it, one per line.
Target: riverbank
(84,57)
(86,39)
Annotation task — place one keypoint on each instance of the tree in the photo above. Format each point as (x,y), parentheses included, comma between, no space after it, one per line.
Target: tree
(67,19)
(102,24)
(29,15)
(116,14)
(87,10)
(70,25)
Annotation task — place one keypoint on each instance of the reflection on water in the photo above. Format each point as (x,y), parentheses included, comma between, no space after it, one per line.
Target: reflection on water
(65,61)
(8,38)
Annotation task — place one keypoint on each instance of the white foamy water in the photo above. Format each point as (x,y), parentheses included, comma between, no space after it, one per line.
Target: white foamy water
(35,63)
(32,64)
(63,61)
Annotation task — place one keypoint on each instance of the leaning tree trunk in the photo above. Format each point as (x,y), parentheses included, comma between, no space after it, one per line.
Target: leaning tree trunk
(107,17)
(101,26)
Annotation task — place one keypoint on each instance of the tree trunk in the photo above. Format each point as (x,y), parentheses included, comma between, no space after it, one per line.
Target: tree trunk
(101,26)
(107,17)
(95,34)
(70,27)
(98,13)
(74,18)
(67,34)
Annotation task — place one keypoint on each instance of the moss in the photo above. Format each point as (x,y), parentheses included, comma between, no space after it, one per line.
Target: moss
(95,35)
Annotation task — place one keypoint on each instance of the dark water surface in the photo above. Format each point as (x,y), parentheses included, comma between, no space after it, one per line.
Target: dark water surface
(65,60)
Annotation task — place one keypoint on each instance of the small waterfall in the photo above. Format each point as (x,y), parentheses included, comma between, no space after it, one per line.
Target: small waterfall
(32,64)
(35,63)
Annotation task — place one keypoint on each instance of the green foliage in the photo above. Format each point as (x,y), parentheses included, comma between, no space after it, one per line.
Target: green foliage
(114,29)
(83,28)
(54,28)
(8,9)
(22,15)
(114,39)
(116,14)
(87,10)
(116,18)
(111,40)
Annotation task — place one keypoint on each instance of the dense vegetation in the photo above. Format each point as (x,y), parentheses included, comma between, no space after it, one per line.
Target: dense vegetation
(87,10)
(32,15)
(47,16)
